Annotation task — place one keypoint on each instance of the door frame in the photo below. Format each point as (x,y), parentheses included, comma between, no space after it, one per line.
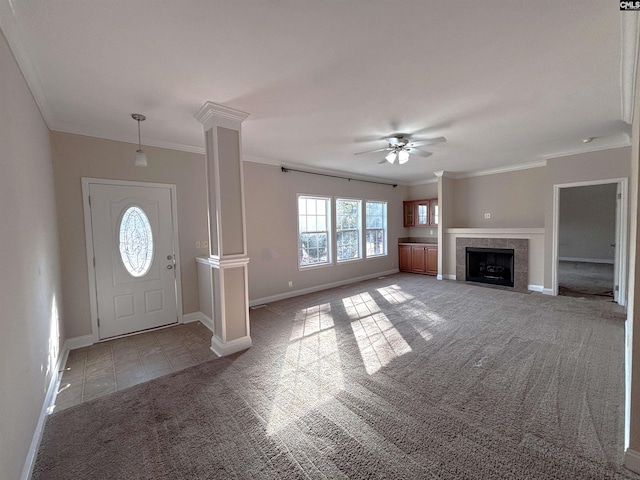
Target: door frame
(88,232)
(621,254)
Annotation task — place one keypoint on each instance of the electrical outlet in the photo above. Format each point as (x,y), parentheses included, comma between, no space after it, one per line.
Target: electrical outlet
(487,216)
(290,284)
(204,243)
(198,244)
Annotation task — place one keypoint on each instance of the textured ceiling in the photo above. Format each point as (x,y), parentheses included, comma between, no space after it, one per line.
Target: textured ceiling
(507,82)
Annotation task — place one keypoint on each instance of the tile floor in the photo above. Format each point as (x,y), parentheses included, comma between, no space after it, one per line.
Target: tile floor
(113,365)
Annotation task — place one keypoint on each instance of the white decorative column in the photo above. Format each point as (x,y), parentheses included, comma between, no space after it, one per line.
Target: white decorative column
(228,258)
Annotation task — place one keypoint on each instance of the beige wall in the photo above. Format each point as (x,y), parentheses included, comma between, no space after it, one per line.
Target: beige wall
(513,199)
(271,206)
(425,190)
(76,156)
(613,163)
(587,222)
(30,293)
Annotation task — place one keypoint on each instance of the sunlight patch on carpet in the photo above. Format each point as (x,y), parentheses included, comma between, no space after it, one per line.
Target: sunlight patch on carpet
(312,372)
(379,341)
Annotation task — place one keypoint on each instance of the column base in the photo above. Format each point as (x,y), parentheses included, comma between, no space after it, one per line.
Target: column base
(632,460)
(233,346)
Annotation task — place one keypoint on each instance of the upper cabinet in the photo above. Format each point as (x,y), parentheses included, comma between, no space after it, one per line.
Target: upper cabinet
(420,213)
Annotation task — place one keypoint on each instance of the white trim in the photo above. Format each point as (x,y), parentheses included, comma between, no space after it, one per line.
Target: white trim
(211,109)
(227,261)
(233,346)
(535,288)
(88,231)
(74,343)
(591,148)
(507,169)
(632,460)
(21,52)
(446,277)
(318,288)
(49,401)
(88,131)
(494,231)
(586,260)
(547,291)
(198,317)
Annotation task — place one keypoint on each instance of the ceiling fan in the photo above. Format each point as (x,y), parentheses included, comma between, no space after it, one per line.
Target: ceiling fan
(400,146)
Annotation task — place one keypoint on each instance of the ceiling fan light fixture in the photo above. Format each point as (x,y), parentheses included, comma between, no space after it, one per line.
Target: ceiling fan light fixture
(391,156)
(403,157)
(141,157)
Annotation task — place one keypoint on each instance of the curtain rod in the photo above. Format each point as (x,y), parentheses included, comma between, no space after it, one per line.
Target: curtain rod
(286,169)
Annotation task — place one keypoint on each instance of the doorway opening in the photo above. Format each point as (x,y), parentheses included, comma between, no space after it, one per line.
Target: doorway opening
(589,240)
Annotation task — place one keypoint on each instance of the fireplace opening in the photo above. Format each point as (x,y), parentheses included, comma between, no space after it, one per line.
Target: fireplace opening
(490,265)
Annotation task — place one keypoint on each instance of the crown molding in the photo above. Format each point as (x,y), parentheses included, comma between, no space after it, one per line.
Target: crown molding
(210,110)
(616,144)
(147,142)
(20,49)
(507,169)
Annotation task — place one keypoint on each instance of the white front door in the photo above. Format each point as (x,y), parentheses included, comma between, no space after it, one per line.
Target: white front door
(133,246)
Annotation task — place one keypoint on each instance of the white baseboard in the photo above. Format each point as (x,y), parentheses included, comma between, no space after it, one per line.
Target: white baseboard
(536,288)
(632,460)
(79,342)
(198,317)
(317,288)
(233,346)
(586,260)
(547,291)
(49,401)
(447,277)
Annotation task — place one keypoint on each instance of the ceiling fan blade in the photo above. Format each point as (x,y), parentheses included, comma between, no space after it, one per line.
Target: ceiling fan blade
(427,141)
(420,153)
(383,161)
(374,151)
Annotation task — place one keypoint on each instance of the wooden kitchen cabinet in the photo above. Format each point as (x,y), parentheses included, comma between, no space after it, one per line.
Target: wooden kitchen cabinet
(404,256)
(420,213)
(432,260)
(418,258)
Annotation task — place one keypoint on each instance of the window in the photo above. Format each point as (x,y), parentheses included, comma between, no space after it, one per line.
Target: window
(376,236)
(136,241)
(348,228)
(314,222)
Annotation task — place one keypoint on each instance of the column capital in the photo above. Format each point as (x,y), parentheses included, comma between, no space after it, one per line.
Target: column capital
(210,110)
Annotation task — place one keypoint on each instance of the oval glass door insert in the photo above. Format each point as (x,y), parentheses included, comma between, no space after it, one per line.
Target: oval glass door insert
(136,241)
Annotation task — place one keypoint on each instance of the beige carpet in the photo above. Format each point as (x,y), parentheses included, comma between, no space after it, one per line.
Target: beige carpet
(397,378)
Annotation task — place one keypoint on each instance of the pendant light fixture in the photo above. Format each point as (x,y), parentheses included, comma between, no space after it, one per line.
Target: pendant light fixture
(141,157)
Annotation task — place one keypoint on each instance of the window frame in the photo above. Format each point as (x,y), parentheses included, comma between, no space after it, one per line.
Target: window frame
(385,229)
(328,230)
(358,230)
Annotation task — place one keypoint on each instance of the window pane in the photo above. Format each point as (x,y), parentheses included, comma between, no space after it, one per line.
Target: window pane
(136,242)
(377,228)
(312,231)
(348,221)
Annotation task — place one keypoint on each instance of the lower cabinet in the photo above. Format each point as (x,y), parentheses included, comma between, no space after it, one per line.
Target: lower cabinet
(418,259)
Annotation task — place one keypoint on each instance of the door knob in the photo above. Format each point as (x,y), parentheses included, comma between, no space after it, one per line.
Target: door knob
(169,267)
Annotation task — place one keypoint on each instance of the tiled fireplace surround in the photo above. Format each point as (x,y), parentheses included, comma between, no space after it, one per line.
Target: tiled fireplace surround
(520,256)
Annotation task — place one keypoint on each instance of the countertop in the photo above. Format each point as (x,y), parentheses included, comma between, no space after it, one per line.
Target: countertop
(418,243)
